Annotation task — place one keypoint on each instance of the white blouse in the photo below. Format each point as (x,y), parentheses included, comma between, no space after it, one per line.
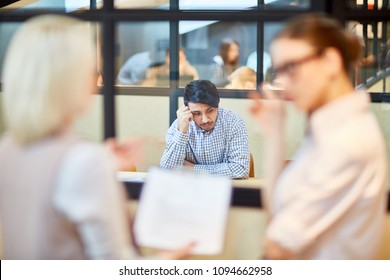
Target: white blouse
(329,203)
(88,194)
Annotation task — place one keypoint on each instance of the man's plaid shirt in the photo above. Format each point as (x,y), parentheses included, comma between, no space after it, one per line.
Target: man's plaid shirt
(221,151)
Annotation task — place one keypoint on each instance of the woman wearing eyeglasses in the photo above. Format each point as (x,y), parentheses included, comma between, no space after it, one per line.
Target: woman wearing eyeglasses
(329,202)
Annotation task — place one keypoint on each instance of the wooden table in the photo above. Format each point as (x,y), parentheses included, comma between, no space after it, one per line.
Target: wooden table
(241,183)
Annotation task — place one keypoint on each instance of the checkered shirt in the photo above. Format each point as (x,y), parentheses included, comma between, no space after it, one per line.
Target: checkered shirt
(222,151)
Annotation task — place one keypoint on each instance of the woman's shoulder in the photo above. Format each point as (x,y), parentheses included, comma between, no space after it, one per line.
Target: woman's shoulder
(83,150)
(218,60)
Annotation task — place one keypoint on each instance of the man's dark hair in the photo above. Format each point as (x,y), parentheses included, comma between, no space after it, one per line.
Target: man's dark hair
(201,91)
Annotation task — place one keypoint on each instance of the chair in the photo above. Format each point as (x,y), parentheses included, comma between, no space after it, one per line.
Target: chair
(132,168)
(251,166)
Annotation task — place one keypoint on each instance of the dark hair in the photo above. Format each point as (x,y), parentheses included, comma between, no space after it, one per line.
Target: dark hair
(201,91)
(324,32)
(224,50)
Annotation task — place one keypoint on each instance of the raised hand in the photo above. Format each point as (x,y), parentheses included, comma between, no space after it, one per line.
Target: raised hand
(184,116)
(267,110)
(127,152)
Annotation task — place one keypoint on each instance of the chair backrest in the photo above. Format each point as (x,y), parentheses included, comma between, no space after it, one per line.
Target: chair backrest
(132,168)
(251,166)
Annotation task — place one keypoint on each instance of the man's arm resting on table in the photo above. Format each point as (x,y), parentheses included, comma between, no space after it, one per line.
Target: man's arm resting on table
(175,150)
(234,170)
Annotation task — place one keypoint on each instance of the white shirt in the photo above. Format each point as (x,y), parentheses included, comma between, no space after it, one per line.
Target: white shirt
(88,194)
(330,201)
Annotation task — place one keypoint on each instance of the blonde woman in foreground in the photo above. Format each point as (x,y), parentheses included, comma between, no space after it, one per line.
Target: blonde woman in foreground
(329,202)
(59,198)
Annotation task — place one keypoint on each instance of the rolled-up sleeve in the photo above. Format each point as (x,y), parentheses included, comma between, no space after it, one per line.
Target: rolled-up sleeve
(175,151)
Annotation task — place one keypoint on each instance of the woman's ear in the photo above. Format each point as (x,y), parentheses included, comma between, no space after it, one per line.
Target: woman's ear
(333,61)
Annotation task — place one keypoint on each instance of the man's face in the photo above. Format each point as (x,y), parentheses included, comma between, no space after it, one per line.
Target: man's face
(203,115)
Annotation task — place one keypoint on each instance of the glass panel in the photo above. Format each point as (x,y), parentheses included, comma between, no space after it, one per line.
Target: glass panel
(240,5)
(368,5)
(7,30)
(145,4)
(141,54)
(270,30)
(67,5)
(89,125)
(291,4)
(217,4)
(219,51)
(374,68)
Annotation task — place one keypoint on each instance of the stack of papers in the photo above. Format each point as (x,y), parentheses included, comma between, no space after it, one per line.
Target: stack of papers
(180,207)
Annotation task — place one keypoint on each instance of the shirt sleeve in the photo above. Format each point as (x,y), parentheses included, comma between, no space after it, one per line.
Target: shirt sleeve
(332,186)
(238,156)
(124,77)
(217,75)
(88,194)
(175,151)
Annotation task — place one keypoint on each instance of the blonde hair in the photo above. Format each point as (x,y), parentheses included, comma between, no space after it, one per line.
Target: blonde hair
(243,78)
(48,64)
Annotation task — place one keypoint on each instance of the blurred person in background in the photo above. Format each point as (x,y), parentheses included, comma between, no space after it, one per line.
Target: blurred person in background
(251,62)
(158,75)
(133,71)
(225,63)
(329,202)
(59,197)
(242,78)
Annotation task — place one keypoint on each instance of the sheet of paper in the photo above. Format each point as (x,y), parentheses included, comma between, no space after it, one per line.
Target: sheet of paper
(178,207)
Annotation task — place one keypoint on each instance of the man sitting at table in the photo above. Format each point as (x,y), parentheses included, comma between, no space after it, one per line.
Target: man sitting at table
(206,137)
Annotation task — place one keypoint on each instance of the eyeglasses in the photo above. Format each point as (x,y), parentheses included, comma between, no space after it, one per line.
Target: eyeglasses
(290,67)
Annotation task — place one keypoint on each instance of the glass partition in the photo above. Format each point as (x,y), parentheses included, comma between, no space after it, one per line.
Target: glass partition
(142,60)
(145,4)
(270,30)
(220,51)
(373,70)
(368,4)
(64,5)
(217,4)
(242,4)
(7,30)
(290,4)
